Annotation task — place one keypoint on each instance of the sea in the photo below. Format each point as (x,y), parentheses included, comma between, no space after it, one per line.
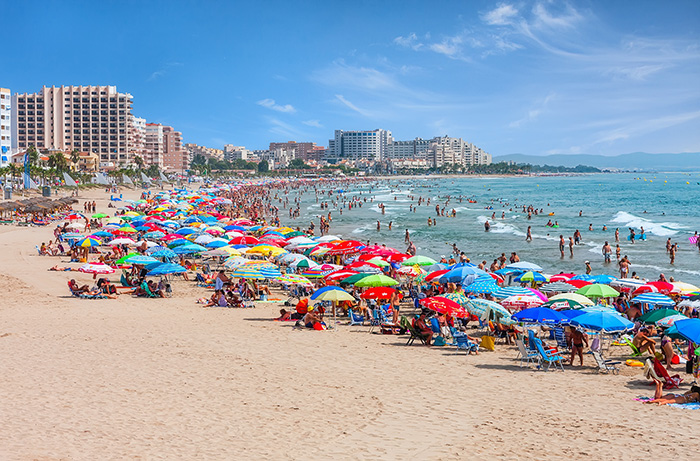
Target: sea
(666,205)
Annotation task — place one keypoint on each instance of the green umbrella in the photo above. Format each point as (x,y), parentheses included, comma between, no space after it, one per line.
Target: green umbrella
(354,278)
(559,304)
(99,215)
(655,315)
(598,290)
(378,262)
(376,280)
(295,234)
(123,259)
(419,260)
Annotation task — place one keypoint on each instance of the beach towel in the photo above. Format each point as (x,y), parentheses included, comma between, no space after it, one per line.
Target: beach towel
(686,406)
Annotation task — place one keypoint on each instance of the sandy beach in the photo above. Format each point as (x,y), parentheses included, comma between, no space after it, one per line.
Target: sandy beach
(138,378)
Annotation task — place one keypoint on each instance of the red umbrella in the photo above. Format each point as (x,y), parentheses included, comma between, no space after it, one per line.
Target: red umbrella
(577,283)
(171,237)
(654,287)
(244,240)
(379,293)
(379,250)
(367,257)
(445,306)
(561,277)
(345,247)
(496,277)
(280,242)
(436,275)
(397,257)
(243,222)
(340,274)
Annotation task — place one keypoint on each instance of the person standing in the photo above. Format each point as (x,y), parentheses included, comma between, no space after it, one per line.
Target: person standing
(571,246)
(528,237)
(561,245)
(607,252)
(577,341)
(672,253)
(617,234)
(588,268)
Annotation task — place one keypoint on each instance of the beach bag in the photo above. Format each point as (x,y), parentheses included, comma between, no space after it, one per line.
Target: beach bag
(438,341)
(488,343)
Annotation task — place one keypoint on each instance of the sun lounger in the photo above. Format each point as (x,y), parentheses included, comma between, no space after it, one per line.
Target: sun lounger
(635,350)
(463,343)
(605,366)
(548,357)
(670,382)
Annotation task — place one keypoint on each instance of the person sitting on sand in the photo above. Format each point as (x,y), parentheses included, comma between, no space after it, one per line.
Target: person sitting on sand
(78,289)
(422,328)
(310,320)
(217,299)
(284,315)
(692,396)
(643,342)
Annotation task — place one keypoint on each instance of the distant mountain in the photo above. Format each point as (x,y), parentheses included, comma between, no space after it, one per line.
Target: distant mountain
(634,161)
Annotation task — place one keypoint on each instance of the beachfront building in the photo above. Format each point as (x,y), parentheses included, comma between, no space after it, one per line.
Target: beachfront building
(454,151)
(302,150)
(175,156)
(87,118)
(206,152)
(155,147)
(5,126)
(232,152)
(137,138)
(359,145)
(413,149)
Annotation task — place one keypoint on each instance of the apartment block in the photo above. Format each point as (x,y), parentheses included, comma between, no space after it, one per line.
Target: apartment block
(155,147)
(232,152)
(207,152)
(175,156)
(87,118)
(137,137)
(5,125)
(357,145)
(301,149)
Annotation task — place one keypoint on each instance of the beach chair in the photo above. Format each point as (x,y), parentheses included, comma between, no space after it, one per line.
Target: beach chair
(355,319)
(435,326)
(202,282)
(670,382)
(123,281)
(635,350)
(405,323)
(524,354)
(605,366)
(85,295)
(548,357)
(464,344)
(560,337)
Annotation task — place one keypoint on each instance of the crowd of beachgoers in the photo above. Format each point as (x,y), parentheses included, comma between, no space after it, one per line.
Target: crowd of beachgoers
(228,240)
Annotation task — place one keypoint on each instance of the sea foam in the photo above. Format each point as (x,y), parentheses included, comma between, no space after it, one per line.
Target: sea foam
(662,229)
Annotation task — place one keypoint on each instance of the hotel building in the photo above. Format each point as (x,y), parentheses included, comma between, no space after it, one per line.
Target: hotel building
(5,125)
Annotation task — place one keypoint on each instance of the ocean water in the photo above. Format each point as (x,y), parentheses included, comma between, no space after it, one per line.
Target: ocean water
(666,205)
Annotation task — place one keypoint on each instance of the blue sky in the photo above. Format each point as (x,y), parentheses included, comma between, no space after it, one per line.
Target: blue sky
(533,77)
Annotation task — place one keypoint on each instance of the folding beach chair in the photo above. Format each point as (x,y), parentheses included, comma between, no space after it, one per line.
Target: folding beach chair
(548,357)
(605,366)
(355,319)
(670,382)
(463,343)
(405,323)
(525,355)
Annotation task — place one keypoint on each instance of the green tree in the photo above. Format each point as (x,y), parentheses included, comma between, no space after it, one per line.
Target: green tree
(58,161)
(75,157)
(33,155)
(263,166)
(139,162)
(298,164)
(153,171)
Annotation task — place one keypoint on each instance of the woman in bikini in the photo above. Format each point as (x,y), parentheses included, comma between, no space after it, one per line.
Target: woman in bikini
(692,396)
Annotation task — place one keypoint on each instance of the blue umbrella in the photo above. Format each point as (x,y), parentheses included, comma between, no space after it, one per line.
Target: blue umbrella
(572,313)
(154,235)
(164,253)
(216,244)
(689,329)
(603,321)
(188,249)
(324,289)
(459,273)
(103,234)
(584,277)
(536,277)
(484,286)
(141,259)
(270,273)
(509,271)
(656,299)
(178,242)
(435,267)
(231,227)
(525,266)
(185,231)
(603,278)
(167,268)
(542,315)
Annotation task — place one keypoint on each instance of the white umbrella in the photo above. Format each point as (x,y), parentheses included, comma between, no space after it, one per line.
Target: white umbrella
(122,241)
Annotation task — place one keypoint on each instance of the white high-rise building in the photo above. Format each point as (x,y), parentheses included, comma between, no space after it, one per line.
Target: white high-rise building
(356,145)
(137,137)
(5,126)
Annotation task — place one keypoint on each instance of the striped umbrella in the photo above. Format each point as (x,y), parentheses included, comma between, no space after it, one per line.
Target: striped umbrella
(670,320)
(511,291)
(560,287)
(313,273)
(656,299)
(573,297)
(294,279)
(88,242)
(243,272)
(270,273)
(521,301)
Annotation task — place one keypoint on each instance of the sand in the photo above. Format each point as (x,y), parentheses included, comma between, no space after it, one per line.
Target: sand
(168,379)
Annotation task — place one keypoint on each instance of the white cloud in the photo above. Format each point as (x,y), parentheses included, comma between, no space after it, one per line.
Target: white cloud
(313,123)
(543,18)
(352,106)
(502,15)
(271,104)
(281,128)
(534,113)
(410,41)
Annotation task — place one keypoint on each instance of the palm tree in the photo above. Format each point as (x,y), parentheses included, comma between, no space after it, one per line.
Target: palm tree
(139,162)
(74,157)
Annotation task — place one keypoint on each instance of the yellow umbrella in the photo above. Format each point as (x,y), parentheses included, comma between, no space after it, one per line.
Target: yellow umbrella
(266,250)
(684,288)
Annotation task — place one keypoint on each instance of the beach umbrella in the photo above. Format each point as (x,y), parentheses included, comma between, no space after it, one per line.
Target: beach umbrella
(666,322)
(304,263)
(345,247)
(530,276)
(524,266)
(266,250)
(378,262)
(127,230)
(203,239)
(457,274)
(167,269)
(270,272)
(689,329)
(578,284)
(444,306)
(216,244)
(557,287)
(378,293)
(88,242)
(122,241)
(572,297)
(376,280)
(539,294)
(541,315)
(561,277)
(505,292)
(189,249)
(603,278)
(482,287)
(560,304)
(247,272)
(418,261)
(186,231)
(164,253)
(627,284)
(154,234)
(601,308)
(313,273)
(603,321)
(294,279)
(411,271)
(479,306)
(96,268)
(436,274)
(327,238)
(521,301)
(684,288)
(655,299)
(654,315)
(459,298)
(598,290)
(584,277)
(352,279)
(140,259)
(340,274)
(235,261)
(654,287)
(322,290)
(244,240)
(364,266)
(101,234)
(571,313)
